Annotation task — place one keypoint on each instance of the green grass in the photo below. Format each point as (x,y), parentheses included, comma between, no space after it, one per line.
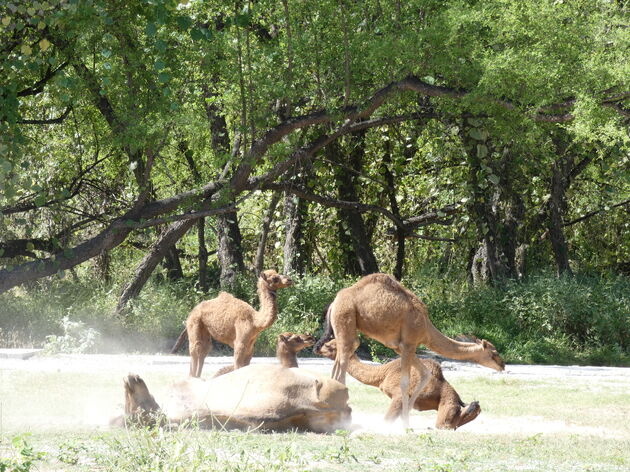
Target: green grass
(58,409)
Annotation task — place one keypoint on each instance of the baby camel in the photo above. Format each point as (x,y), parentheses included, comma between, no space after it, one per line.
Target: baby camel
(289,344)
(381,308)
(437,394)
(231,321)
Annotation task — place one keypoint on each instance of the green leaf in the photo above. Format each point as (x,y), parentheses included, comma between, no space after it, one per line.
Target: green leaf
(494,179)
(475,133)
(30,246)
(160,45)
(482,151)
(159,65)
(1,251)
(40,200)
(242,20)
(196,34)
(164,77)
(184,22)
(151,29)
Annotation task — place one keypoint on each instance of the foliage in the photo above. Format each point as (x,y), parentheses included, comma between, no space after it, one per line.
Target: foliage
(20,456)
(76,338)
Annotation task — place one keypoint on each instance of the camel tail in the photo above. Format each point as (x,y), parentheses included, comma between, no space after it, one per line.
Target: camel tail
(328,331)
(180,341)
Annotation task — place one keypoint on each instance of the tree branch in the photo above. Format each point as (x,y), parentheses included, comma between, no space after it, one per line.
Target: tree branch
(50,121)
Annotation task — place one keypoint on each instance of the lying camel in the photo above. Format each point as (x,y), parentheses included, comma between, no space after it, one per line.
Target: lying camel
(381,308)
(288,345)
(231,321)
(437,393)
(266,397)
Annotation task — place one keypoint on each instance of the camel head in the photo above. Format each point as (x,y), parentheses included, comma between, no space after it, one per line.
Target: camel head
(296,342)
(274,281)
(329,349)
(137,396)
(489,356)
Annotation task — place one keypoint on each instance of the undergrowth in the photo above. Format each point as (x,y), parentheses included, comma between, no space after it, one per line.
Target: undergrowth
(584,319)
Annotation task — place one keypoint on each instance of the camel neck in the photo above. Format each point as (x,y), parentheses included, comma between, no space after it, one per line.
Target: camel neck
(268,311)
(448,347)
(364,373)
(287,358)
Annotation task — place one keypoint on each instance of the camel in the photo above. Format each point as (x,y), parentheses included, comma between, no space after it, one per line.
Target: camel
(231,321)
(383,309)
(437,394)
(265,397)
(288,345)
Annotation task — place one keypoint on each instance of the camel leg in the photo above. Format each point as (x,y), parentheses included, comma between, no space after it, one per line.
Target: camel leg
(406,353)
(448,415)
(469,413)
(345,330)
(423,378)
(242,354)
(394,409)
(200,344)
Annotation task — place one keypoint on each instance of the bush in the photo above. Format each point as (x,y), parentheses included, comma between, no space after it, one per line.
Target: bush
(583,319)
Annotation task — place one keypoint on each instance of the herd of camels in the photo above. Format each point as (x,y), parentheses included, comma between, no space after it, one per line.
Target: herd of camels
(283,397)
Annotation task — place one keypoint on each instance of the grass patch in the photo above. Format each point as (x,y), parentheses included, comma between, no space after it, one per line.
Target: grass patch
(51,418)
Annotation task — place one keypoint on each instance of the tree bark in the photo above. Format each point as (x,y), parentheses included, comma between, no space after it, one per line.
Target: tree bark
(229,250)
(157,252)
(393,203)
(259,263)
(361,259)
(295,256)
(557,207)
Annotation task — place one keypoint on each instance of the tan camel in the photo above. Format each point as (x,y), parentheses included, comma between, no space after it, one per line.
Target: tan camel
(266,397)
(381,308)
(231,321)
(437,394)
(289,344)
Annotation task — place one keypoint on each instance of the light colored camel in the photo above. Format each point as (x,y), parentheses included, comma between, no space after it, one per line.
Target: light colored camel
(288,345)
(437,394)
(381,308)
(266,397)
(231,321)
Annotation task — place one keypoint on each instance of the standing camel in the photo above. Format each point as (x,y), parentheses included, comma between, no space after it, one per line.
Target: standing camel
(381,308)
(438,394)
(231,321)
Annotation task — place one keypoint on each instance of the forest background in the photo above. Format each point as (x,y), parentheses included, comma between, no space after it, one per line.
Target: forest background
(155,152)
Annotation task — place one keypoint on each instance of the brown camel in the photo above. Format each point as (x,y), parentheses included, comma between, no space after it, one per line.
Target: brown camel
(231,321)
(437,394)
(381,308)
(289,344)
(269,397)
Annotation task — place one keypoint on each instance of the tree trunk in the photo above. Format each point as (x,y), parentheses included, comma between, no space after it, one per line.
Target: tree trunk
(295,210)
(172,264)
(202,255)
(557,207)
(259,263)
(157,252)
(229,250)
(361,260)
(393,203)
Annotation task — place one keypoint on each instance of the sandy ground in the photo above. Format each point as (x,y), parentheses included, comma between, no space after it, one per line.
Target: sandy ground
(12,363)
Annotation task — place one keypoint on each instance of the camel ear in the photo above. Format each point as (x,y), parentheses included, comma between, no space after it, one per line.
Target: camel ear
(282,338)
(485,344)
(263,276)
